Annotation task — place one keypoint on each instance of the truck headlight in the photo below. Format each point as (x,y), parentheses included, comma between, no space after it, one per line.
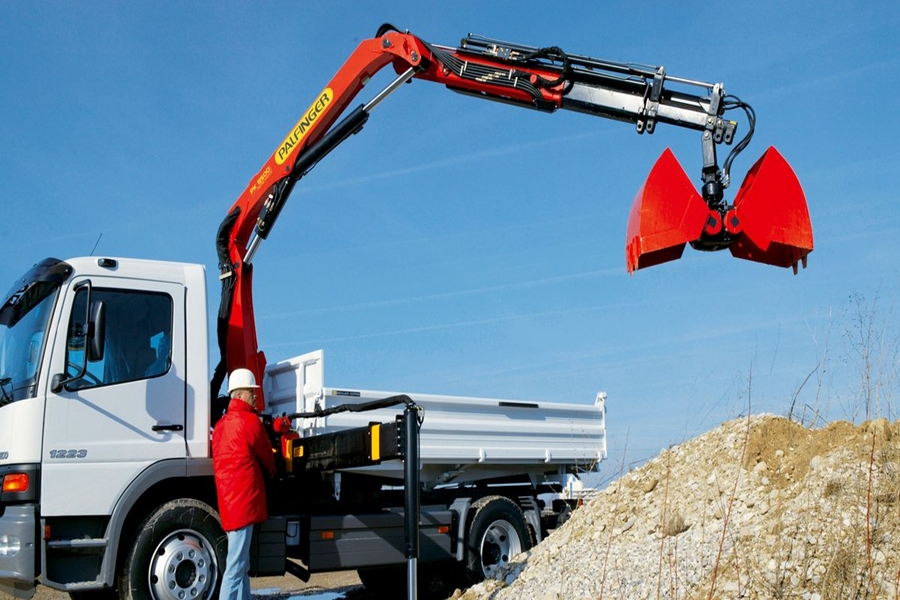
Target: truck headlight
(9,545)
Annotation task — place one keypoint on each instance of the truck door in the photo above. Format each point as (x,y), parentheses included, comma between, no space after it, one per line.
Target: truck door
(128,409)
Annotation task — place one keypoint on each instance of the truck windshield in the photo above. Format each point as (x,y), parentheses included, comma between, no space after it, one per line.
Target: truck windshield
(23,324)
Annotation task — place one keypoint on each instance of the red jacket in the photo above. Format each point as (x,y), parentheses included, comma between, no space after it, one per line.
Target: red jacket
(241,450)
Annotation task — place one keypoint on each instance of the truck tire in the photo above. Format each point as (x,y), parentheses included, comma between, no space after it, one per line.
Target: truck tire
(177,553)
(497,532)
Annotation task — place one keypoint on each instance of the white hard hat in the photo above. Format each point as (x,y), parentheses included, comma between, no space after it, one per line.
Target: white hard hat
(241,379)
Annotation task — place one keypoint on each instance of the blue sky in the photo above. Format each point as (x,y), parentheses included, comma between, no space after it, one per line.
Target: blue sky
(465,247)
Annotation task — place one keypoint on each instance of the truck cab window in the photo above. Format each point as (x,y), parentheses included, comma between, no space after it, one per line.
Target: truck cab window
(138,337)
(22,335)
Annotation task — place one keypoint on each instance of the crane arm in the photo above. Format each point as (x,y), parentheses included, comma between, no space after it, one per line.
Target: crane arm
(667,214)
(250,218)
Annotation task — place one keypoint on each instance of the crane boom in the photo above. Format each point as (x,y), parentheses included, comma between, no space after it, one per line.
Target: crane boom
(768,222)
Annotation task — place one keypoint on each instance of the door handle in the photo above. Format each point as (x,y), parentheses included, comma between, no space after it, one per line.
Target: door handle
(167,427)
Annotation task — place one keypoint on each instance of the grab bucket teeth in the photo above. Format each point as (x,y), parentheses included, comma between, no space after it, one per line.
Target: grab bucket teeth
(667,213)
(773,213)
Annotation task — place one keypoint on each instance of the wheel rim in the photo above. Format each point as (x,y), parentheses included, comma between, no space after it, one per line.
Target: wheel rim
(183,567)
(499,543)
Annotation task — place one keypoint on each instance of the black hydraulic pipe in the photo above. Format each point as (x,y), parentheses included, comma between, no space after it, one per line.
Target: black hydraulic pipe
(349,125)
(411,496)
(365,406)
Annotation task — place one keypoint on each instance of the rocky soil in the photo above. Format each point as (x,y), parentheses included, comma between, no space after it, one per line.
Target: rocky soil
(757,508)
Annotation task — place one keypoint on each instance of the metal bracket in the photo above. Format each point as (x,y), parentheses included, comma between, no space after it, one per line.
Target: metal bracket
(646,120)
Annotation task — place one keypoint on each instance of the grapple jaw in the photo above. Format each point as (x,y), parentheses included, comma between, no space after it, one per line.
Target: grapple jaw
(768,223)
(772,210)
(667,213)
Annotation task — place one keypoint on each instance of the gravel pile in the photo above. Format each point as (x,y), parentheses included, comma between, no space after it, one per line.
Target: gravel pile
(757,508)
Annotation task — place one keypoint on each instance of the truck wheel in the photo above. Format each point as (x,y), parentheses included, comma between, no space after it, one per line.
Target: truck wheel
(178,553)
(497,533)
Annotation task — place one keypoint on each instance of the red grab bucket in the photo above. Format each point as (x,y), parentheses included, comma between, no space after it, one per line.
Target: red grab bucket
(768,223)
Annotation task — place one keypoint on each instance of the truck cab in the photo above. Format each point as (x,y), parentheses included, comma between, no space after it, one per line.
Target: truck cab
(104,371)
(106,467)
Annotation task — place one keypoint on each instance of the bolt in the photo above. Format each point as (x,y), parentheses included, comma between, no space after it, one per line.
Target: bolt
(415,56)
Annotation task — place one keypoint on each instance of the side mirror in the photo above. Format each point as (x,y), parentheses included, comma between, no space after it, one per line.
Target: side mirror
(96,331)
(94,339)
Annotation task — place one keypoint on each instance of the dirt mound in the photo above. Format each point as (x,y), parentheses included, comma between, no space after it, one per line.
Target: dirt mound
(757,508)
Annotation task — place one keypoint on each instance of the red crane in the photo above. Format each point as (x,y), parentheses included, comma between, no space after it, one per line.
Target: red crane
(768,221)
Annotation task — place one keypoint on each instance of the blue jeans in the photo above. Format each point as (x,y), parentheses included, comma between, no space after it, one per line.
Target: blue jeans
(236,579)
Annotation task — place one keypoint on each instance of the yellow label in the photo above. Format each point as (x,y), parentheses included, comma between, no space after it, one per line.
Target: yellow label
(376,441)
(303,125)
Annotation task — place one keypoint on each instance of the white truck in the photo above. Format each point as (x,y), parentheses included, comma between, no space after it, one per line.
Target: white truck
(105,450)
(107,399)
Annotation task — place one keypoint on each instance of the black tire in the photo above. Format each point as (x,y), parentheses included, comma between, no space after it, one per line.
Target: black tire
(180,547)
(497,532)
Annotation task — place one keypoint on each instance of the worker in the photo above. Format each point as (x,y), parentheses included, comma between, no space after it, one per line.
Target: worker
(242,453)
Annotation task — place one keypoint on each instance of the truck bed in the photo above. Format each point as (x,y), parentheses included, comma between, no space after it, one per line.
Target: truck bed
(462,438)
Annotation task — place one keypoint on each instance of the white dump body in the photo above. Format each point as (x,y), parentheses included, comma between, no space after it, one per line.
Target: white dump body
(462,438)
